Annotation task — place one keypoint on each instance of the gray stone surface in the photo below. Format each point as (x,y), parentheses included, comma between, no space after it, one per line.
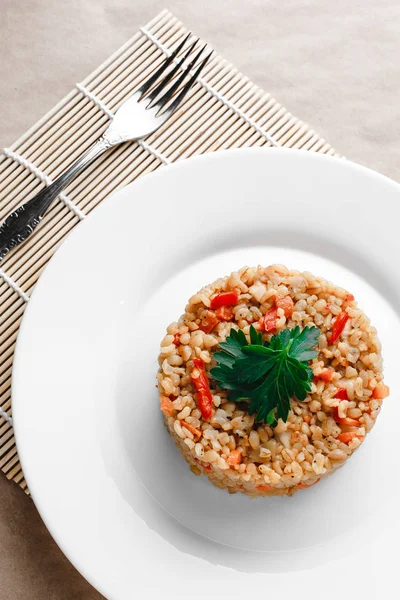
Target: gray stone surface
(332,64)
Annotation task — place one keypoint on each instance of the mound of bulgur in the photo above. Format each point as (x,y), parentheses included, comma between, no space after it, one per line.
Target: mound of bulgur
(237,453)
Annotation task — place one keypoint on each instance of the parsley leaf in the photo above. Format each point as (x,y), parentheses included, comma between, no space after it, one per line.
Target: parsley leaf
(254,366)
(267,375)
(304,342)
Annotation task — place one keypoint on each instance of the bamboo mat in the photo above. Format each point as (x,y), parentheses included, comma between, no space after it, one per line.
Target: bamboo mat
(223,110)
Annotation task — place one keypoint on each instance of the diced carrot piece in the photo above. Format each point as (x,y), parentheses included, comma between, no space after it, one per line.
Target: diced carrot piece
(208,322)
(225,299)
(177,338)
(196,432)
(326,375)
(264,488)
(224,313)
(166,405)
(307,485)
(234,458)
(341,394)
(346,436)
(307,419)
(286,303)
(268,321)
(380,392)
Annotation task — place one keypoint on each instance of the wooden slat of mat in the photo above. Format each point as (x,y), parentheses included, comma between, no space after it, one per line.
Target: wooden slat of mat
(223,110)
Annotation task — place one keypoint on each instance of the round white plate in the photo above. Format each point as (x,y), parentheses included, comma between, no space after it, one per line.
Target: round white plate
(107,480)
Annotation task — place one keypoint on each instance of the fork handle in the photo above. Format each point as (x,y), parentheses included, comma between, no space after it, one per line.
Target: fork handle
(19,224)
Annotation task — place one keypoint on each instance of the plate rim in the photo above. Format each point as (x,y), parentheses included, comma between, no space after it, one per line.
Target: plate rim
(69,240)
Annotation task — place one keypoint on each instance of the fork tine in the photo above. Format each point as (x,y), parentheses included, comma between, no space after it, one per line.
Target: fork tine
(149,82)
(171,74)
(169,93)
(177,101)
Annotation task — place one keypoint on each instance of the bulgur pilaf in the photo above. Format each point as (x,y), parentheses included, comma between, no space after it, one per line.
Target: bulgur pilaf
(218,437)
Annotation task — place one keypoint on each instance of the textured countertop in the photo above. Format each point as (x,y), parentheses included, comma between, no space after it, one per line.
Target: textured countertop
(332,64)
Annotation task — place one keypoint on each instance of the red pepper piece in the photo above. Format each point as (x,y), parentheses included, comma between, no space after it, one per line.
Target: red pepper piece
(208,323)
(344,420)
(268,321)
(234,458)
(325,375)
(286,303)
(347,436)
(177,338)
(202,386)
(225,299)
(338,326)
(341,394)
(380,392)
(224,313)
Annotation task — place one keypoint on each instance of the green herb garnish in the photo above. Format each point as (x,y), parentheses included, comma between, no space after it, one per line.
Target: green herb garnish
(267,375)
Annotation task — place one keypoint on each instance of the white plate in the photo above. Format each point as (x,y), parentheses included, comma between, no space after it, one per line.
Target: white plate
(106,478)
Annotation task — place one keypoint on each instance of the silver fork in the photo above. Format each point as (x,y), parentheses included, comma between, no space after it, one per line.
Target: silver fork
(140,115)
